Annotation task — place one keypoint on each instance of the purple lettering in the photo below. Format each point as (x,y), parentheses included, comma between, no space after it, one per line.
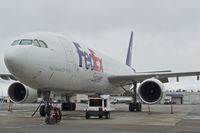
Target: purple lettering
(91,60)
(80,53)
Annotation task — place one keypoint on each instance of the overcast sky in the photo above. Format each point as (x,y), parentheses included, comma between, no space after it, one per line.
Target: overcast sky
(166,32)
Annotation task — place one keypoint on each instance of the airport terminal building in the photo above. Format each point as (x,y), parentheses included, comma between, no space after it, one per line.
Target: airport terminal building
(175,97)
(184,97)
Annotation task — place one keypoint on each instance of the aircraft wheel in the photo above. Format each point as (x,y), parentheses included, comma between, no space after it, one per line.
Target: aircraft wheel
(87,116)
(48,110)
(73,106)
(108,115)
(42,111)
(132,107)
(68,106)
(138,107)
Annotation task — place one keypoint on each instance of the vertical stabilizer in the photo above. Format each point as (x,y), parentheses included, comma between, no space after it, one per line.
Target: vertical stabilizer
(129,53)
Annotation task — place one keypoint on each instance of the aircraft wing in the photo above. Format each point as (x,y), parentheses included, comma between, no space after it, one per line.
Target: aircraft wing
(7,77)
(139,77)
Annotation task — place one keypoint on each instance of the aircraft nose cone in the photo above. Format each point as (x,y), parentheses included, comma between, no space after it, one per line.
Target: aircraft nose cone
(14,59)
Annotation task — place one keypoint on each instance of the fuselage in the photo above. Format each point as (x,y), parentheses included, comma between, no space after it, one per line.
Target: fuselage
(61,65)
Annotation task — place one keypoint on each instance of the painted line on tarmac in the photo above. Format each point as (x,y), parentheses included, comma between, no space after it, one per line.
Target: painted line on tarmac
(13,127)
(192,118)
(3,114)
(19,127)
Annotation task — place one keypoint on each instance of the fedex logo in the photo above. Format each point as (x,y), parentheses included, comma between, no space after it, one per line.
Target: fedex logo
(89,59)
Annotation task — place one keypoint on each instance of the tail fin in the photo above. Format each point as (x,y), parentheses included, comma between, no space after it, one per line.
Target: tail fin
(129,53)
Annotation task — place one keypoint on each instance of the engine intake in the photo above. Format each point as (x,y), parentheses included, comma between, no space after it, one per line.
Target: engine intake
(151,91)
(19,93)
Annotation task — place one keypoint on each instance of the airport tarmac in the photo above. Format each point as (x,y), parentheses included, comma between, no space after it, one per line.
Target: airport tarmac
(186,119)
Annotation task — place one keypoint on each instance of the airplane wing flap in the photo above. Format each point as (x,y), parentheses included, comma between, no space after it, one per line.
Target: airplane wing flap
(139,77)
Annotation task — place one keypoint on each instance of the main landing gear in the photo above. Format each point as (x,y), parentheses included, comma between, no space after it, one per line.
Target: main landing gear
(134,106)
(67,105)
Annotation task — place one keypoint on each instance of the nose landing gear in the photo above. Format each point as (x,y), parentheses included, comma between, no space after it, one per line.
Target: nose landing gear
(52,114)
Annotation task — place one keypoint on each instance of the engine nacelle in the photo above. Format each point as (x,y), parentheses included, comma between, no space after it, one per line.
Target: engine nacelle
(151,91)
(19,93)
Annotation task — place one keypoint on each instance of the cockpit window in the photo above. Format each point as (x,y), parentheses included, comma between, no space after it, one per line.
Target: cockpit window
(26,42)
(16,42)
(36,43)
(43,44)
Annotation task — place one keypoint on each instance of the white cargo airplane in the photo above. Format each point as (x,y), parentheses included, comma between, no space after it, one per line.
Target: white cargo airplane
(50,63)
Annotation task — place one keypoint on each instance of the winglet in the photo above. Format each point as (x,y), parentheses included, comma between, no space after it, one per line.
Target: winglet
(129,53)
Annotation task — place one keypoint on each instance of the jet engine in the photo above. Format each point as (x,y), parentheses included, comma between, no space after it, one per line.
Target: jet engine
(19,93)
(151,91)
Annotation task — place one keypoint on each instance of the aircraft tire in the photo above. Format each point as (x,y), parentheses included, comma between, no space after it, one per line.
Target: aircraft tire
(132,107)
(42,111)
(73,106)
(68,106)
(48,110)
(87,116)
(138,107)
(107,116)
